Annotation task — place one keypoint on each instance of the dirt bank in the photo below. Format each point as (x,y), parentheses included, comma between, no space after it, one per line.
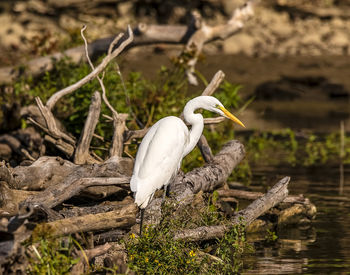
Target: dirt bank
(37,27)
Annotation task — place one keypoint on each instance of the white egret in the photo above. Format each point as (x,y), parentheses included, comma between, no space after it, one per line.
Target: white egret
(165,145)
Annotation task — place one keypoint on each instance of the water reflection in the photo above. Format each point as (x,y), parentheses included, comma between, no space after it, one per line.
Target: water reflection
(322,248)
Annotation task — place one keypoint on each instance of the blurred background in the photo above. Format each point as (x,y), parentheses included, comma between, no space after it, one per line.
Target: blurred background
(292,59)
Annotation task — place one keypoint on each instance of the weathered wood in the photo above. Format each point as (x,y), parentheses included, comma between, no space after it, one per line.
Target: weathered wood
(297,214)
(211,175)
(209,90)
(6,176)
(109,236)
(87,255)
(82,150)
(121,218)
(119,120)
(51,125)
(44,172)
(119,127)
(275,195)
(11,198)
(95,209)
(63,146)
(115,171)
(214,83)
(205,34)
(54,195)
(46,110)
(250,195)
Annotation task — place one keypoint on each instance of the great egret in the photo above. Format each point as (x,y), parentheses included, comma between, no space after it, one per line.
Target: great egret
(165,145)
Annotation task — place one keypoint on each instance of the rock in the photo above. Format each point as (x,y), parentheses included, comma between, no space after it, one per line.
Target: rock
(336,22)
(230,6)
(282,30)
(125,8)
(339,39)
(240,43)
(311,39)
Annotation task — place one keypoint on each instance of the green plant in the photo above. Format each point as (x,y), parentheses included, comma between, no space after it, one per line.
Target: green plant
(230,249)
(279,147)
(270,236)
(156,251)
(52,256)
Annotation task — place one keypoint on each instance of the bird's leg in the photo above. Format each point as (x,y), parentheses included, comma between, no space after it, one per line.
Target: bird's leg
(142,210)
(166,192)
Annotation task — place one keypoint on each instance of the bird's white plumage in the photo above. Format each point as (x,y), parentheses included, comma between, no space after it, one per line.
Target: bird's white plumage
(158,158)
(162,149)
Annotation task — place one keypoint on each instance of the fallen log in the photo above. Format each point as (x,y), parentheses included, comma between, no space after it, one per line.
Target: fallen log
(64,179)
(95,209)
(211,175)
(249,195)
(206,178)
(121,218)
(113,235)
(274,196)
(55,195)
(11,198)
(44,172)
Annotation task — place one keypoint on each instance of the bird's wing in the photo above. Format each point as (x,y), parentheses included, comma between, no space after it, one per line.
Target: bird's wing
(159,155)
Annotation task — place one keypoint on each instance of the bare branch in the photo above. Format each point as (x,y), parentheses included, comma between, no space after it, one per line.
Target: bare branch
(214,83)
(51,123)
(55,97)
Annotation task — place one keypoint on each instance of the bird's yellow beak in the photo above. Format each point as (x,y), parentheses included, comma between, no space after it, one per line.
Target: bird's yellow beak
(231,116)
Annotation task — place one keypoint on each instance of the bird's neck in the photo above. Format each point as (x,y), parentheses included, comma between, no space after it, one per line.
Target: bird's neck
(197,125)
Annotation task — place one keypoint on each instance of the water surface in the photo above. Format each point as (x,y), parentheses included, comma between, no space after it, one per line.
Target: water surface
(322,248)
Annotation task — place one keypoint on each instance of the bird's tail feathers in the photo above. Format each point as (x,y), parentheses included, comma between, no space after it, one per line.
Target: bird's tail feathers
(133,184)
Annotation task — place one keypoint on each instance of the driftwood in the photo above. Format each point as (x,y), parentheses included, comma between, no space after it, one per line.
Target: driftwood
(87,255)
(124,217)
(275,195)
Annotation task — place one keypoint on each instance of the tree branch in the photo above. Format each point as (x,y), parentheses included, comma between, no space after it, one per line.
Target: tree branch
(124,41)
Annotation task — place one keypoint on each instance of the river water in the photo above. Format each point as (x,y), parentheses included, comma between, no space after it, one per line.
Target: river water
(322,248)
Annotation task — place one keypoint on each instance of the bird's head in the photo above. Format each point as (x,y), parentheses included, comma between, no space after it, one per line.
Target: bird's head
(214,105)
